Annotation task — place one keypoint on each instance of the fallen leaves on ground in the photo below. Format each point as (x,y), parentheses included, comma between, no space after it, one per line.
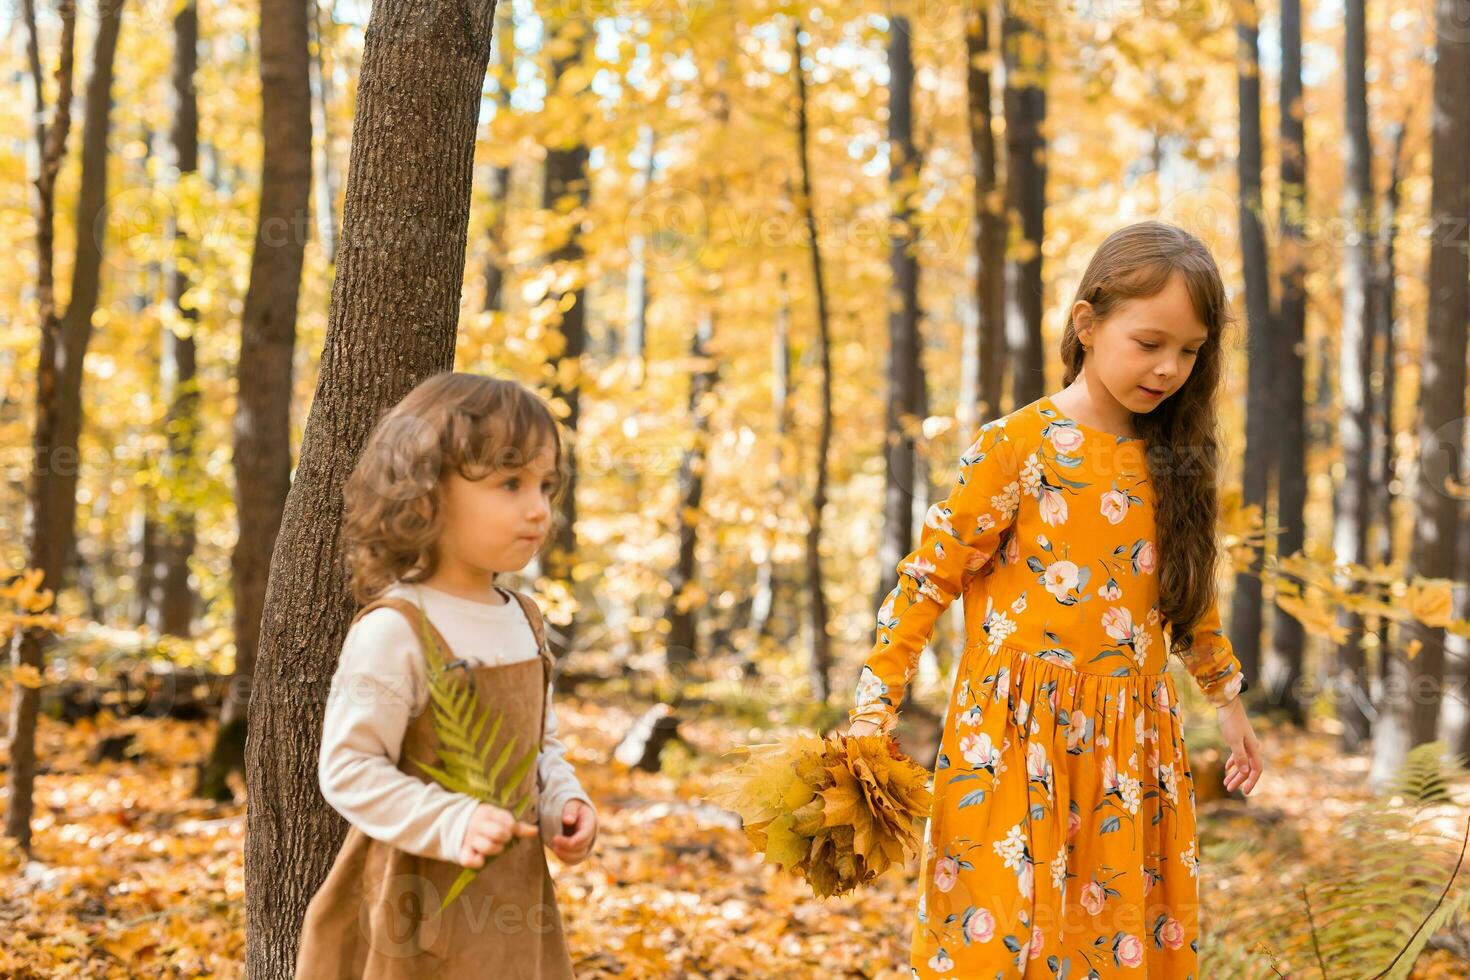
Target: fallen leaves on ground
(133,877)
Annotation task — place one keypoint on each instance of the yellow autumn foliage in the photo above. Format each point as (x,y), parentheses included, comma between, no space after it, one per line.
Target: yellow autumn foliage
(837,812)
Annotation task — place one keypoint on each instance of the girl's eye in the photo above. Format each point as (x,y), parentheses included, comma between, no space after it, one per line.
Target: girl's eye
(1146,346)
(547,486)
(512,483)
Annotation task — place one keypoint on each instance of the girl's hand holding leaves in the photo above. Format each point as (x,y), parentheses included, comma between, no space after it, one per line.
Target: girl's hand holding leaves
(837,811)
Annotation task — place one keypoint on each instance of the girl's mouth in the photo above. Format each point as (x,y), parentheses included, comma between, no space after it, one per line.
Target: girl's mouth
(1150,392)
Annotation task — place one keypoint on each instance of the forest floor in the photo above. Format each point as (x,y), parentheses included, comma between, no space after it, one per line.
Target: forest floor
(133,877)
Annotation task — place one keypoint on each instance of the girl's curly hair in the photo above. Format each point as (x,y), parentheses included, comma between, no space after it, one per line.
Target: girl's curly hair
(393,499)
(1182,433)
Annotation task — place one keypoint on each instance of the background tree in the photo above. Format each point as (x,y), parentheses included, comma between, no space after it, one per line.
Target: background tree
(1288,378)
(1412,697)
(267,345)
(1246,618)
(905,368)
(1023,44)
(55,444)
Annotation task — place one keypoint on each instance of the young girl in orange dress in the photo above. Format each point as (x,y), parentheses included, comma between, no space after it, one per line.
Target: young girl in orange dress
(455,485)
(1080,534)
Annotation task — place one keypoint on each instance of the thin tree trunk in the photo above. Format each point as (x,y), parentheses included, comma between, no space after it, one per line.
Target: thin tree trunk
(682,608)
(900,453)
(1024,46)
(401,261)
(51,505)
(1246,612)
(635,342)
(267,342)
(984,366)
(763,593)
(326,182)
(820,666)
(1288,422)
(28,646)
(1355,365)
(494,270)
(1384,454)
(1454,720)
(176,605)
(566,186)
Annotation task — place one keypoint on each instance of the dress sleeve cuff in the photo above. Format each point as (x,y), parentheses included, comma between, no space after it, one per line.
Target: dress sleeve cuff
(458,828)
(878,713)
(551,806)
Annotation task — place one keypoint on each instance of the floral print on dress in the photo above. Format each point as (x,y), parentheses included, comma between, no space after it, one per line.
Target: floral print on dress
(1061,842)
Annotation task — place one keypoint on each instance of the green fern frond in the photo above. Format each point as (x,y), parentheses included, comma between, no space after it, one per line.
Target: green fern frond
(464,756)
(1427,771)
(1368,906)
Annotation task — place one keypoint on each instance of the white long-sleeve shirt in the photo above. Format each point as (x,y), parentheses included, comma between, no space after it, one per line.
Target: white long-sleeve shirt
(381,682)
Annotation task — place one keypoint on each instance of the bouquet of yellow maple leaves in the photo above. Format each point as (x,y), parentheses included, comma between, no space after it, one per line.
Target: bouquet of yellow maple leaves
(836,811)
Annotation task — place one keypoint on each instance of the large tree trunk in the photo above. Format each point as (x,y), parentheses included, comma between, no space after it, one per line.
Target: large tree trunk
(1024,46)
(1246,601)
(566,192)
(983,370)
(1288,386)
(820,667)
(1355,365)
(267,342)
(1413,703)
(904,371)
(395,304)
(51,504)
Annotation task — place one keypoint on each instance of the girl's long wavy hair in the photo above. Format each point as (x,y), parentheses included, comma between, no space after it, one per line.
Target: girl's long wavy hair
(1182,433)
(394,498)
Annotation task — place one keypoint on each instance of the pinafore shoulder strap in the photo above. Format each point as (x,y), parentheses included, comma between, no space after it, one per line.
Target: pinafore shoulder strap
(537,621)
(417,618)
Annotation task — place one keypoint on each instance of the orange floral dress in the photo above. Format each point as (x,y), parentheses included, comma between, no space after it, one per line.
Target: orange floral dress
(1062,840)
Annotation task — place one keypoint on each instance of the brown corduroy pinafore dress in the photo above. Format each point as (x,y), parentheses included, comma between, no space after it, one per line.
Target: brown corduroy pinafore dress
(377,915)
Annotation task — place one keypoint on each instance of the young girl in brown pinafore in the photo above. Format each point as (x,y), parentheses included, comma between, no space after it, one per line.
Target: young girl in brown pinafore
(456,484)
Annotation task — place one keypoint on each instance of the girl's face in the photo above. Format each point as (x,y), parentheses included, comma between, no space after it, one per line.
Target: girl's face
(498,522)
(1145,351)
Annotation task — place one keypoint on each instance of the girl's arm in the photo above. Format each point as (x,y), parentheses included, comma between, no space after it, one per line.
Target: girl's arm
(559,781)
(960,534)
(1211,661)
(378,686)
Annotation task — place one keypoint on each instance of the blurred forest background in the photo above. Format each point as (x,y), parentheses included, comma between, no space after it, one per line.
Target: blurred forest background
(772,263)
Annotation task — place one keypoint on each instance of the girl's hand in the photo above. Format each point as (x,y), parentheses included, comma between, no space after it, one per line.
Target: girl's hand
(860,728)
(490,829)
(1243,768)
(578,828)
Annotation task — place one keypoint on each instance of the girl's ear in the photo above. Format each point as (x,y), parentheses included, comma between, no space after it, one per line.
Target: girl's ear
(1082,321)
